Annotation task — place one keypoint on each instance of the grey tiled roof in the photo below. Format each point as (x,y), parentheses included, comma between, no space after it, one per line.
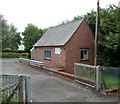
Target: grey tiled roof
(58,35)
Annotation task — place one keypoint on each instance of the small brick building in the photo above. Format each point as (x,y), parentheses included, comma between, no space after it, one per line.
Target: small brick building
(64,45)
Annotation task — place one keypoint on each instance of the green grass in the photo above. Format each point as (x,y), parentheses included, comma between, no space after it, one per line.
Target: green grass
(90,76)
(110,81)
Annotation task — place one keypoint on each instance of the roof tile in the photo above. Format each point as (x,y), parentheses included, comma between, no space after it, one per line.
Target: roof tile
(58,35)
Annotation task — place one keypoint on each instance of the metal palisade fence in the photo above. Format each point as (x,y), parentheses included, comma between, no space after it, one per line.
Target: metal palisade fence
(15,88)
(98,77)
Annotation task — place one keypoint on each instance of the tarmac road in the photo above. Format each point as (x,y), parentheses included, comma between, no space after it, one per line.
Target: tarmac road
(49,87)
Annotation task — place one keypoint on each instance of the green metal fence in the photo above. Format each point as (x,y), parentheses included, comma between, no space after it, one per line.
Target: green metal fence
(110,77)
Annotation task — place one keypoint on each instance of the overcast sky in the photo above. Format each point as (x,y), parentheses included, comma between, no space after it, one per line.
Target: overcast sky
(46,13)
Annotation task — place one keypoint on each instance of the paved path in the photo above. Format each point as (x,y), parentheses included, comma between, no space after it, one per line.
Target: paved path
(49,87)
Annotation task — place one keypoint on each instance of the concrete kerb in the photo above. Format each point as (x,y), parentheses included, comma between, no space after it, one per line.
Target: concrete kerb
(54,71)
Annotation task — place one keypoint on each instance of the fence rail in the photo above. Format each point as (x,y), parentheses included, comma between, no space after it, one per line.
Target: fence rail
(32,62)
(15,88)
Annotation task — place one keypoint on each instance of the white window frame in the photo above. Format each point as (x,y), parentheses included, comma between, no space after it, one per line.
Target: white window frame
(46,54)
(85,54)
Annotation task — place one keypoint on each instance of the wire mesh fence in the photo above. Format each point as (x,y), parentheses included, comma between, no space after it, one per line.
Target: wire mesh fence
(110,77)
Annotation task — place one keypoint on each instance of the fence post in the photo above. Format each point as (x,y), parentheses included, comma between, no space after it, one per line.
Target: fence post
(74,72)
(27,90)
(98,78)
(21,100)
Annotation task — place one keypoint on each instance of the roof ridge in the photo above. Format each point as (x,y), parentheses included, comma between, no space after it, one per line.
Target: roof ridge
(67,23)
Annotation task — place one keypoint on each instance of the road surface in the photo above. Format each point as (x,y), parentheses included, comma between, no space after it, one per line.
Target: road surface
(49,87)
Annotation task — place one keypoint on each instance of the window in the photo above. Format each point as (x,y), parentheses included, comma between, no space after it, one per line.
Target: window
(84,54)
(47,54)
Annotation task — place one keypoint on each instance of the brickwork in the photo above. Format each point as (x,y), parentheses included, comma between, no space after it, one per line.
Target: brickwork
(82,38)
(57,60)
(70,52)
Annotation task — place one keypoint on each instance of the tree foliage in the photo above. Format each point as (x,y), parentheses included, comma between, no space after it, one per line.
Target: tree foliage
(109,34)
(9,35)
(31,35)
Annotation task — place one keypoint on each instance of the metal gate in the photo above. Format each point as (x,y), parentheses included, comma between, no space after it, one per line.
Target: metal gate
(85,74)
(15,88)
(98,77)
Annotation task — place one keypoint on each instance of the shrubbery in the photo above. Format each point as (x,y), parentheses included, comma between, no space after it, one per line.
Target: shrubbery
(9,53)
(13,51)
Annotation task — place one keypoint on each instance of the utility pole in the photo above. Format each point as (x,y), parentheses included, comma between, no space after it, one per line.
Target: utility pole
(96,34)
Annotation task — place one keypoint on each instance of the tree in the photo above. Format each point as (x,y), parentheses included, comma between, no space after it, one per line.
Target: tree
(1,33)
(31,35)
(15,37)
(109,34)
(9,35)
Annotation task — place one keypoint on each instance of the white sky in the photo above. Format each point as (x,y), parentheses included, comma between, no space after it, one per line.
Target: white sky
(46,13)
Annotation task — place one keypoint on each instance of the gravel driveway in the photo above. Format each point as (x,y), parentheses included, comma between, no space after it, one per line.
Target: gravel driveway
(49,87)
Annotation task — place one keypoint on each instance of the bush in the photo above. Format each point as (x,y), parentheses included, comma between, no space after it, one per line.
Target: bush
(9,50)
(9,56)
(25,54)
(13,51)
(15,55)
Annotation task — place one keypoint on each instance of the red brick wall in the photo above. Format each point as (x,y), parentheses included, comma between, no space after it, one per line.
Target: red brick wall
(57,60)
(82,38)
